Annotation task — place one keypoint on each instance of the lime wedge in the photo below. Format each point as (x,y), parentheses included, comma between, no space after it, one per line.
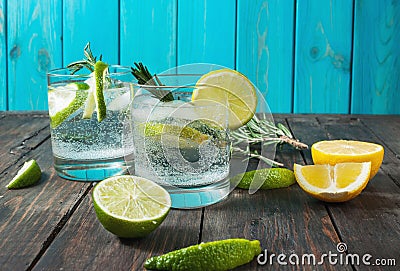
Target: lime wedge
(65,100)
(100,71)
(230,88)
(218,255)
(79,85)
(269,178)
(130,206)
(90,105)
(28,175)
(159,130)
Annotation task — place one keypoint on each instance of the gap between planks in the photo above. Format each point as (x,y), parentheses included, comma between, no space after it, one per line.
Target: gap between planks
(57,229)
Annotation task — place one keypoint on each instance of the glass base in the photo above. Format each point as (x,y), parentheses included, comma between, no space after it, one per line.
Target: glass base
(197,197)
(89,171)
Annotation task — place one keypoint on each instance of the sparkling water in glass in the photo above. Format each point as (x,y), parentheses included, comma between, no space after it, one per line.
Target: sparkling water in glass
(84,148)
(182,144)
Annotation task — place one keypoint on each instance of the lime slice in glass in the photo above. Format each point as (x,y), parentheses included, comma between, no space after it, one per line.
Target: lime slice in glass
(28,175)
(65,100)
(130,206)
(100,72)
(90,105)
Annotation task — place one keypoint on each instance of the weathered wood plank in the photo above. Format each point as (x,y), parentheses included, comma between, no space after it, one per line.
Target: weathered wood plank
(265,31)
(388,132)
(200,39)
(89,20)
(31,217)
(148,33)
(19,136)
(374,214)
(284,220)
(34,47)
(322,56)
(3,57)
(376,68)
(87,242)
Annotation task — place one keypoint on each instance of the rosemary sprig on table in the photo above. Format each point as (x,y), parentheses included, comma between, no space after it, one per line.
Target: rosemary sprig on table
(264,132)
(88,62)
(144,77)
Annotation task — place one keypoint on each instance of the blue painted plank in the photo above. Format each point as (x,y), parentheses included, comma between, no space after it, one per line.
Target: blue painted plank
(206,32)
(3,56)
(148,33)
(322,56)
(265,49)
(34,47)
(89,20)
(376,68)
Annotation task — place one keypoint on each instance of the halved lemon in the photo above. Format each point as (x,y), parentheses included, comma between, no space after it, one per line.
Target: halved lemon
(228,88)
(340,151)
(338,183)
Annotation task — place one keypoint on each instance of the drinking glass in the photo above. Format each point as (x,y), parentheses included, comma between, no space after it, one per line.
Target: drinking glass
(84,148)
(183,145)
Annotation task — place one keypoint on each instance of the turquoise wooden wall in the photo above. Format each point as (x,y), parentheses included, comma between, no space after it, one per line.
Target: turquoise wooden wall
(306,56)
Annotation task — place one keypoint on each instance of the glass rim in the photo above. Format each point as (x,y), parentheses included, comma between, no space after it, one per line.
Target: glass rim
(194,85)
(57,72)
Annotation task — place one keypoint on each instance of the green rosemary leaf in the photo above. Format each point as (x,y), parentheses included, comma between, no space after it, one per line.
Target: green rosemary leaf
(88,62)
(262,131)
(144,77)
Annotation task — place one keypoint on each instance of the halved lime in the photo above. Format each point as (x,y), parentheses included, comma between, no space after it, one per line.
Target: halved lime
(230,88)
(65,100)
(28,175)
(218,255)
(100,71)
(130,206)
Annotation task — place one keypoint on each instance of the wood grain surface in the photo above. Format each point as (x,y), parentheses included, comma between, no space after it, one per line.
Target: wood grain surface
(375,83)
(265,39)
(3,57)
(34,47)
(206,32)
(89,20)
(305,56)
(52,225)
(148,34)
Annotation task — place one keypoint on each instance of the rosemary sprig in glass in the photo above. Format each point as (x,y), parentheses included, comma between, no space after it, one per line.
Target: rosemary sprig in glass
(144,77)
(264,132)
(88,62)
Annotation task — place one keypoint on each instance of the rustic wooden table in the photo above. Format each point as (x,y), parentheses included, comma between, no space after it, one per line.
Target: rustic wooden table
(52,225)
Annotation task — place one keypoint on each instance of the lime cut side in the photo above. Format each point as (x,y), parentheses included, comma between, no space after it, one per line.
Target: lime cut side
(65,100)
(28,175)
(230,88)
(130,206)
(218,255)
(100,72)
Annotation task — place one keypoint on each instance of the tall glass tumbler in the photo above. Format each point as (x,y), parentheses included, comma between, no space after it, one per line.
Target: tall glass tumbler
(84,147)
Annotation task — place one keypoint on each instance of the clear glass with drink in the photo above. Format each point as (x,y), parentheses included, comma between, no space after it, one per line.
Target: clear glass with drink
(87,146)
(181,144)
